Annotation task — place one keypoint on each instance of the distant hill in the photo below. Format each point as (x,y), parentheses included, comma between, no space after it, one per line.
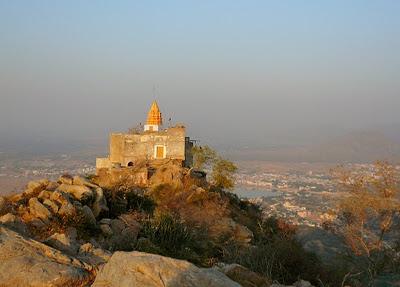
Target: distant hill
(354,147)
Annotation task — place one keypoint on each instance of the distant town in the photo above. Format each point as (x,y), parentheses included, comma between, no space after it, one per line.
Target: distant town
(302,193)
(305,194)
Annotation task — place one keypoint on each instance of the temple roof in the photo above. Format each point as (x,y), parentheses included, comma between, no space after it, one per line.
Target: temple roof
(154,116)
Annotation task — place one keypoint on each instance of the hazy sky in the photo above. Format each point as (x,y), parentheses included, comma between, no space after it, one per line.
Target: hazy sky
(234,71)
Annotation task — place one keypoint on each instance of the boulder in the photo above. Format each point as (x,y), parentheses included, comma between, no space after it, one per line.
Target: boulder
(52,186)
(88,216)
(117,225)
(36,186)
(130,234)
(44,194)
(16,197)
(65,242)
(99,205)
(13,222)
(242,275)
(105,221)
(61,197)
(78,180)
(79,192)
(67,209)
(51,205)
(130,221)
(142,269)
(36,209)
(29,263)
(65,179)
(106,230)
(92,255)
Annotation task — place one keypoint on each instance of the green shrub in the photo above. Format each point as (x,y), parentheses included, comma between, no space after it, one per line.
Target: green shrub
(278,256)
(168,232)
(140,202)
(169,236)
(121,199)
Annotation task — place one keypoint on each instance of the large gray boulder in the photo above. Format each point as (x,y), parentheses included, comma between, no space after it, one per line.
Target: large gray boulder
(126,269)
(29,263)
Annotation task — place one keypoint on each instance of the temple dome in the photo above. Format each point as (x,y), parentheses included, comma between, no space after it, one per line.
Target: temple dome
(154,116)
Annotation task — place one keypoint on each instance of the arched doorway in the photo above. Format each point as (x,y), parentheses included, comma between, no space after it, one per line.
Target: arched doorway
(130,163)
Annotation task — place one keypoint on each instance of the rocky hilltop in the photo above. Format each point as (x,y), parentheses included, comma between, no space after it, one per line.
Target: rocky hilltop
(77,231)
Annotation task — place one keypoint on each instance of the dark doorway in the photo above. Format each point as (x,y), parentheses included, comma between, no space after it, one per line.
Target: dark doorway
(130,163)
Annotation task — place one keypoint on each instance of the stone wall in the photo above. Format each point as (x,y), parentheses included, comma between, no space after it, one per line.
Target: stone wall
(110,177)
(103,162)
(126,148)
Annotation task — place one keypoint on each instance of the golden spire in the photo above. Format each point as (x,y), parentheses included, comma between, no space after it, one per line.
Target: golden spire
(154,116)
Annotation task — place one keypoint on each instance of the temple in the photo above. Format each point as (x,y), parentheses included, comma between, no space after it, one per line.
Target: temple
(153,145)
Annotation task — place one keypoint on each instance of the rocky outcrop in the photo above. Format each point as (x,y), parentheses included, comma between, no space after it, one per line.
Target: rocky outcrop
(142,269)
(28,263)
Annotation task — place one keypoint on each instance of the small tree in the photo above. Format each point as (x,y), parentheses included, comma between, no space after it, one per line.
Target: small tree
(203,156)
(367,215)
(223,173)
(222,170)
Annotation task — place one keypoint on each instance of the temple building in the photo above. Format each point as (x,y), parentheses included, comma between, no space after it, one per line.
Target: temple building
(151,145)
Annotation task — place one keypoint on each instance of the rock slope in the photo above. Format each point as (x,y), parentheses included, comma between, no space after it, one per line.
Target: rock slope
(29,263)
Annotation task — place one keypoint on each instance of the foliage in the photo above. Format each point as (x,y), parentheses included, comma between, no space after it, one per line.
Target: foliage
(367,217)
(121,199)
(222,169)
(170,236)
(223,173)
(203,156)
(278,256)
(140,202)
